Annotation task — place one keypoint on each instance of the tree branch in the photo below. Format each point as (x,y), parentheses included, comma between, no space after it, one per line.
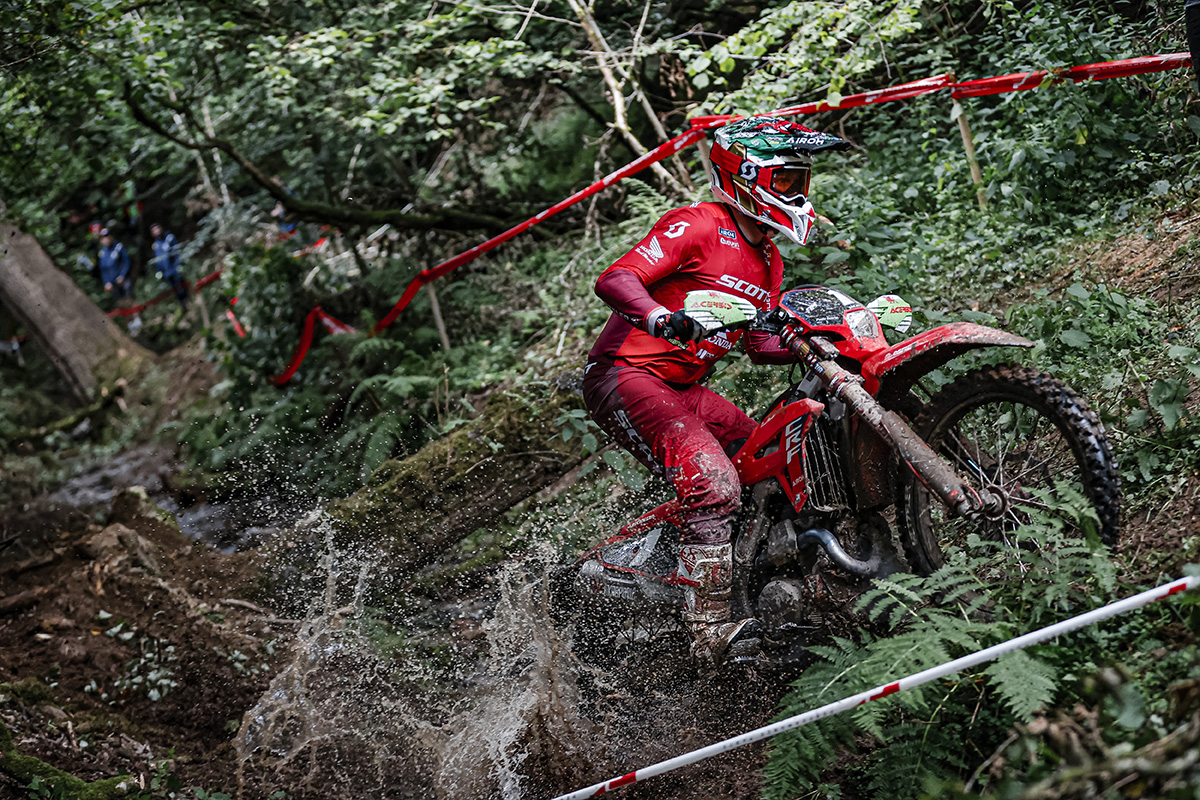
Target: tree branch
(608,70)
(304,209)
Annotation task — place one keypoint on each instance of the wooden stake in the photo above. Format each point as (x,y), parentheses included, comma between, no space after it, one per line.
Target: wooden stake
(198,298)
(969,144)
(437,316)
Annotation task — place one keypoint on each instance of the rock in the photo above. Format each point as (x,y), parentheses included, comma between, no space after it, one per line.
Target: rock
(72,652)
(101,545)
(53,713)
(117,540)
(133,508)
(55,622)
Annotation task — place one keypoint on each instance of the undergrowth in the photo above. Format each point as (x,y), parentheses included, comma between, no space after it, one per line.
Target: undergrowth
(948,728)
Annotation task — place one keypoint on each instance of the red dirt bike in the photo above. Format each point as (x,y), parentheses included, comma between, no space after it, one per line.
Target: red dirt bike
(860,445)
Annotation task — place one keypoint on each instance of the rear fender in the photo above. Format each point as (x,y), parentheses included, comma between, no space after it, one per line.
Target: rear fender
(889,373)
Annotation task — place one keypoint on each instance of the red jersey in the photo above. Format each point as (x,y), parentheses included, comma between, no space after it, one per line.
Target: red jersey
(692,248)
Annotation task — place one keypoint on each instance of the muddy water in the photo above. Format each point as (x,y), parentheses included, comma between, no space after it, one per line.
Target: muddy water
(521,733)
(225,526)
(497,722)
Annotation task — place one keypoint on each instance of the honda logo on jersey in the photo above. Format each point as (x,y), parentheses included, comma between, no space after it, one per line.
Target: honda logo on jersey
(676,230)
(651,251)
(745,287)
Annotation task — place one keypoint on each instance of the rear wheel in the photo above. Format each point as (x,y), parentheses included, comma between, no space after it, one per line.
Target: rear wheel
(1024,436)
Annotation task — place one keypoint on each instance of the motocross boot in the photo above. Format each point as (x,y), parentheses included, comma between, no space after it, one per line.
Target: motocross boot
(708,570)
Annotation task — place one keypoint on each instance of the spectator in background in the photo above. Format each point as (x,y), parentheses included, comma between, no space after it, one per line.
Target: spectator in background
(114,266)
(114,274)
(286,229)
(166,262)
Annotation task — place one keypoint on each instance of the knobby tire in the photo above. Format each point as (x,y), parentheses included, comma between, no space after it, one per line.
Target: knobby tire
(955,421)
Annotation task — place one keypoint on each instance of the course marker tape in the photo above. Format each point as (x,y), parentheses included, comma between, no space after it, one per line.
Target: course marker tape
(931,674)
(698,125)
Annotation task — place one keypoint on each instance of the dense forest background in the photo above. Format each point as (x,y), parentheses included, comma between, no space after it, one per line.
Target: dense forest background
(323,153)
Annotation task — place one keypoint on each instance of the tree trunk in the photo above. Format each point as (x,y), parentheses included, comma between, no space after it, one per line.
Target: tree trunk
(85,345)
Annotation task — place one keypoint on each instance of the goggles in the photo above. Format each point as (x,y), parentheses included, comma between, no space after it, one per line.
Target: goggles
(790,183)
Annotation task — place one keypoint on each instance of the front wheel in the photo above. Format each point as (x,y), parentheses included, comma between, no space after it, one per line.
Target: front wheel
(1025,436)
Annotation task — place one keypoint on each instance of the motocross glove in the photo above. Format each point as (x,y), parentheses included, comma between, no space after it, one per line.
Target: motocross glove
(678,326)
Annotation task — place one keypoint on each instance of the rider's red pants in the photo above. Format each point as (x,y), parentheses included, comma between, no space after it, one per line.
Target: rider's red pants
(685,433)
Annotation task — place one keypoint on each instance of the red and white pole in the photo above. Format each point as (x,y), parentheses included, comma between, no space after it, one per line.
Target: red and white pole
(931,674)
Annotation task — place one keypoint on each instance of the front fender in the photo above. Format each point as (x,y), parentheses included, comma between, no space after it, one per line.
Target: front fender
(895,369)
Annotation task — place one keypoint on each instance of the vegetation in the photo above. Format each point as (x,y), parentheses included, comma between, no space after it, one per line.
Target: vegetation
(447,123)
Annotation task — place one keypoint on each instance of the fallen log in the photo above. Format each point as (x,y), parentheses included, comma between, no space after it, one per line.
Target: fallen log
(86,347)
(21,600)
(415,508)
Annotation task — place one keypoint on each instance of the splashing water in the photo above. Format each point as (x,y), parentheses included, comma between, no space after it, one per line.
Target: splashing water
(522,734)
(340,718)
(332,716)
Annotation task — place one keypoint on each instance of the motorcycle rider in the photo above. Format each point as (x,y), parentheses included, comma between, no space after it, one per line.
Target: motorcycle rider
(645,390)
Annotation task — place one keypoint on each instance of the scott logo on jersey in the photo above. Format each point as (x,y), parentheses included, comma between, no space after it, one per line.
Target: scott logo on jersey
(745,287)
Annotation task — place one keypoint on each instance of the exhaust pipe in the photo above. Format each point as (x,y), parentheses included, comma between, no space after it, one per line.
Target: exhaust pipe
(833,548)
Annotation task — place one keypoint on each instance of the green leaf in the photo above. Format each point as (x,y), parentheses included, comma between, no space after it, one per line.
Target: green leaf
(1073,337)
(1167,396)
(1181,353)
(1132,708)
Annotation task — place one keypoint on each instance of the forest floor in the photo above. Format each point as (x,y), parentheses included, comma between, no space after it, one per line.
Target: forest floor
(125,644)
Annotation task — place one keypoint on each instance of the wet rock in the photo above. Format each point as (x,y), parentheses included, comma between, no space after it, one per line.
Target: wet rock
(134,509)
(117,541)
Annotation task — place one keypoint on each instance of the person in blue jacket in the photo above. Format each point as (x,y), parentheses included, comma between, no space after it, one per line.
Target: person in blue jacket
(114,274)
(114,267)
(166,262)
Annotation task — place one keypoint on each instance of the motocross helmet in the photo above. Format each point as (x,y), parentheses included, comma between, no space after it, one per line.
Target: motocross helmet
(761,165)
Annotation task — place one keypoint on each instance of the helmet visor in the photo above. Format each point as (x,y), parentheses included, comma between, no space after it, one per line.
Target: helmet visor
(789,183)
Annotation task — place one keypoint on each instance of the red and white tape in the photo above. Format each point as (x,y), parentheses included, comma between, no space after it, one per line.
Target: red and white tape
(931,674)
(700,124)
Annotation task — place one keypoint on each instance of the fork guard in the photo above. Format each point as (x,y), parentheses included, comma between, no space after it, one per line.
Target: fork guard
(889,373)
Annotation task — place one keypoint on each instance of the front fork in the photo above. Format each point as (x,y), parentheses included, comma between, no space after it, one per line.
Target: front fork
(931,469)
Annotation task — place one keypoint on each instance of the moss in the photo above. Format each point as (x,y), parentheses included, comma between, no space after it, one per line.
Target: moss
(515,433)
(411,510)
(25,768)
(31,690)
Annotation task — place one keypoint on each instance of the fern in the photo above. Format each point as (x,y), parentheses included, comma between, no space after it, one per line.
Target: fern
(1024,682)
(376,350)
(986,593)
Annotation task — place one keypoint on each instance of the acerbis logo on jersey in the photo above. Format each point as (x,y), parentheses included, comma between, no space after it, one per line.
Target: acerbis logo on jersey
(676,230)
(745,287)
(652,251)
